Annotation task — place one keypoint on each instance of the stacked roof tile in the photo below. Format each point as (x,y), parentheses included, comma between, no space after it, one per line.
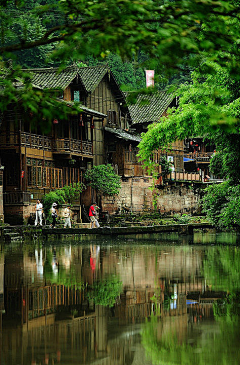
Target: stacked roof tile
(150,108)
(120,133)
(50,78)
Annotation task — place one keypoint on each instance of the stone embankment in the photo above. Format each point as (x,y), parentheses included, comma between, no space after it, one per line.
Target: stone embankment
(45,232)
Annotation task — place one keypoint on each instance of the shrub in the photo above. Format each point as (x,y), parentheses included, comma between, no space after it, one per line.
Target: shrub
(103,179)
(221,203)
(61,196)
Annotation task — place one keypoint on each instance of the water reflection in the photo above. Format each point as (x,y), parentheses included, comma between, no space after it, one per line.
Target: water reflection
(120,303)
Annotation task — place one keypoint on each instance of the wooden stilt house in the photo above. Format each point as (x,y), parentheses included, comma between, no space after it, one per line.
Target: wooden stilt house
(35,163)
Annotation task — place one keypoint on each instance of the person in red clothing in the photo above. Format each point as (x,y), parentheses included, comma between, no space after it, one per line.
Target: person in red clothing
(92,216)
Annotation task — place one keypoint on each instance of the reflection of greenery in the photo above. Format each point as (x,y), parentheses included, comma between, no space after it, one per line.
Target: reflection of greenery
(221,268)
(228,307)
(106,291)
(161,349)
(156,299)
(219,343)
(64,277)
(218,346)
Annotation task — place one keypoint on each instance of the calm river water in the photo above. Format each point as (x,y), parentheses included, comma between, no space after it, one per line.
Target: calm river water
(130,301)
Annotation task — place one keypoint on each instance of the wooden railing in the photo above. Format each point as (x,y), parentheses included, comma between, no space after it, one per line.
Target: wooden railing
(199,156)
(16,197)
(36,141)
(64,145)
(184,176)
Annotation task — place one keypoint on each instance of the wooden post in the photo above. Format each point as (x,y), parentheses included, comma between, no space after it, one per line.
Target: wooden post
(20,156)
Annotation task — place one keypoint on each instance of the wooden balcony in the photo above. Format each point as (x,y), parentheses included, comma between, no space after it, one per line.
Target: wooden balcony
(184,176)
(73,146)
(36,141)
(17,197)
(60,146)
(201,157)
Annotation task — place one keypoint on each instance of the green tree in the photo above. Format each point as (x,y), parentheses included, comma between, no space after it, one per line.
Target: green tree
(221,203)
(208,107)
(67,194)
(172,34)
(103,179)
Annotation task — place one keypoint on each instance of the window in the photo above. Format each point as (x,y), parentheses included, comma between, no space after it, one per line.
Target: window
(43,176)
(112,117)
(76,95)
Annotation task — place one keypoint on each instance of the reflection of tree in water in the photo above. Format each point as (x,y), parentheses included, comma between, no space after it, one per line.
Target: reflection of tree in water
(215,344)
(221,268)
(58,274)
(228,308)
(106,291)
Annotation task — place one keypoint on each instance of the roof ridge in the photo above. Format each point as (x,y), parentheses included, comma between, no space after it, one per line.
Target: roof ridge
(42,69)
(73,66)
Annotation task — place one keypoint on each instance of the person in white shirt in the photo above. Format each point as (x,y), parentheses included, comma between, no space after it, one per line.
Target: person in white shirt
(39,211)
(67,216)
(54,214)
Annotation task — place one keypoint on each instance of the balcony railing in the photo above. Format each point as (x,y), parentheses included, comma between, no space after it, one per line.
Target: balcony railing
(64,145)
(36,141)
(16,197)
(199,156)
(184,176)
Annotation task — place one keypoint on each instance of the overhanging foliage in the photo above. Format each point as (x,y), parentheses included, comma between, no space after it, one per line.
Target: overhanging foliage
(103,179)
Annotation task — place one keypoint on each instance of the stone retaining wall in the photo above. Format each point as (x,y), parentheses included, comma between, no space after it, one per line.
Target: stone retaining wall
(137,196)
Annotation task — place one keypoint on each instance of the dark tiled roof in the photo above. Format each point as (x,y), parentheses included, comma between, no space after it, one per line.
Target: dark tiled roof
(49,78)
(120,133)
(91,76)
(149,108)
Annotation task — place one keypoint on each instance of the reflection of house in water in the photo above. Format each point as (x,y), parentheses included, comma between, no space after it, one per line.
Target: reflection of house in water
(28,293)
(155,281)
(1,285)
(159,284)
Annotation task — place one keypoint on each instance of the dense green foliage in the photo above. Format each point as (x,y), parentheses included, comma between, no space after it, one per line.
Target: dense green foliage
(103,179)
(221,203)
(67,194)
(226,162)
(174,35)
(208,107)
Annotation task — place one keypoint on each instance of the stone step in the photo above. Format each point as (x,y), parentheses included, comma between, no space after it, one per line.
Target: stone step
(10,238)
(10,234)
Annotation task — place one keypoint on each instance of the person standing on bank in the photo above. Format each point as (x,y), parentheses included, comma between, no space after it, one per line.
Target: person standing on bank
(67,215)
(54,214)
(39,211)
(92,216)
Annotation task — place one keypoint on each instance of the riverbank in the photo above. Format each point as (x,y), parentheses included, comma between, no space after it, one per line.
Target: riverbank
(13,233)
(127,225)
